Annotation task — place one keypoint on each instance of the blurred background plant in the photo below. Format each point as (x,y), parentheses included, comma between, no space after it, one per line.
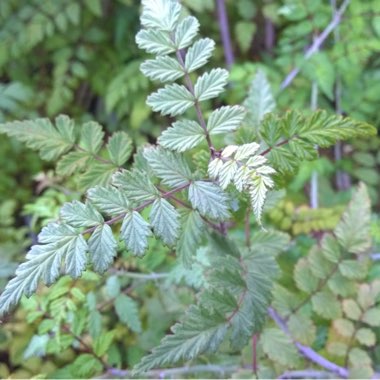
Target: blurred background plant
(80,58)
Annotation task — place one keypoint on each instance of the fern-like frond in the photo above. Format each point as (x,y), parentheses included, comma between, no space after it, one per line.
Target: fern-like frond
(78,148)
(236,300)
(63,248)
(52,141)
(292,138)
(62,251)
(200,331)
(329,271)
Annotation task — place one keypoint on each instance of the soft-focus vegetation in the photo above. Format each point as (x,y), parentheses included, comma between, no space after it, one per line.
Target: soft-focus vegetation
(253,228)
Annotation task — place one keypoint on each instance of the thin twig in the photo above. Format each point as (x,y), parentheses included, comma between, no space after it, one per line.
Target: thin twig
(269,35)
(247,227)
(225,32)
(216,227)
(242,296)
(306,351)
(140,276)
(342,179)
(321,284)
(170,372)
(314,176)
(319,40)
(112,300)
(314,190)
(96,157)
(277,145)
(139,208)
(306,374)
(87,347)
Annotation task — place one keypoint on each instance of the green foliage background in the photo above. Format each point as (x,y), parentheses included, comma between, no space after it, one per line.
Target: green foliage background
(81,59)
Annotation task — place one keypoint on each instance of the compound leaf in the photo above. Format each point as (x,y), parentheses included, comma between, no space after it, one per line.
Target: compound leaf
(254,298)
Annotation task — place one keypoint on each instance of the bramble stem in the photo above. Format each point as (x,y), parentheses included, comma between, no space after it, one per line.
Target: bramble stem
(139,208)
(176,372)
(306,351)
(225,32)
(140,276)
(318,41)
(306,374)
